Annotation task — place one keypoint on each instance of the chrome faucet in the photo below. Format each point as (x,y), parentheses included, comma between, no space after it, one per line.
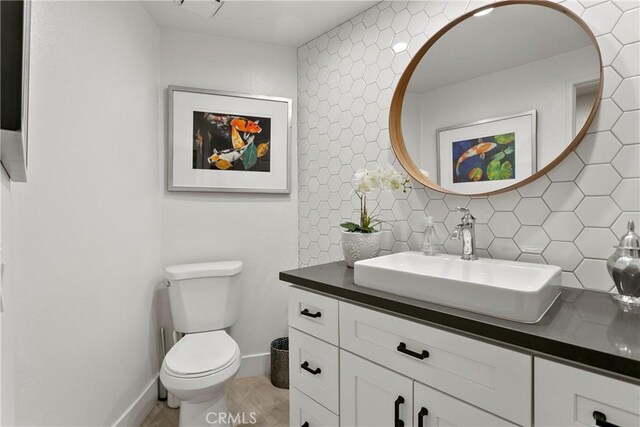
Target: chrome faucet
(467,231)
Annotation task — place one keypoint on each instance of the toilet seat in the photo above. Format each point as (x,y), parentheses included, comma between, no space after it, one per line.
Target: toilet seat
(201,354)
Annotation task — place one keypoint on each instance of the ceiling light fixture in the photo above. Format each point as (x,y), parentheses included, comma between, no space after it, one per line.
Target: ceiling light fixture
(484,12)
(208,9)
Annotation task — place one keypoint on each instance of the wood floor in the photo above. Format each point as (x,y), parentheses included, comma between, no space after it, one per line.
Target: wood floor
(245,395)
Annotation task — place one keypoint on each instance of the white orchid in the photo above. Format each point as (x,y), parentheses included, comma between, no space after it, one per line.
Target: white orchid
(365,181)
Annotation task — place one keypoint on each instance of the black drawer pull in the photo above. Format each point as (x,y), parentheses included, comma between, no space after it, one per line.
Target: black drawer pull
(306,424)
(307,313)
(306,367)
(398,422)
(402,348)
(601,420)
(423,413)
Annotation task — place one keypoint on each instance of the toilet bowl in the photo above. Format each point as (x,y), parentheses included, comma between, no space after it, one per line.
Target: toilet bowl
(196,371)
(204,301)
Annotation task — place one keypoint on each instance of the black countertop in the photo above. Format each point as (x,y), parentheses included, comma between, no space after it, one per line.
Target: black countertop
(583,327)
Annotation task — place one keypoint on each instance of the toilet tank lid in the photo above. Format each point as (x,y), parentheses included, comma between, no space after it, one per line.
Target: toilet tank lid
(203,269)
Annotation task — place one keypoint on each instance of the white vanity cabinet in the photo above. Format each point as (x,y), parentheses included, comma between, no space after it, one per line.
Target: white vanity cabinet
(358,367)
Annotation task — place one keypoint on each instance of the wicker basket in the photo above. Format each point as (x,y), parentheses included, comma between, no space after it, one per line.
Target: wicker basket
(280,362)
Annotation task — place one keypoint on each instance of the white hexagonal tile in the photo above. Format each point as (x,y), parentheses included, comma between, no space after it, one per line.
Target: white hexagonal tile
(504,224)
(627,63)
(401,21)
(401,210)
(563,254)
(531,239)
(454,201)
(598,180)
(619,227)
(435,24)
(484,236)
(601,18)
(531,258)
(593,274)
(452,246)
(611,82)
(453,9)
(535,188)
(627,195)
(433,8)
(401,231)
(627,162)
(532,211)
(452,220)
(570,280)
(504,249)
(418,199)
(609,48)
(417,23)
(627,96)
(417,221)
(438,210)
(627,29)
(564,226)
(596,242)
(481,209)
(607,115)
(599,147)
(562,196)
(505,201)
(567,170)
(599,211)
(627,129)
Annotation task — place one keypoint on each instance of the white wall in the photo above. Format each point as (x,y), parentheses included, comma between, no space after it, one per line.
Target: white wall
(543,85)
(260,230)
(81,239)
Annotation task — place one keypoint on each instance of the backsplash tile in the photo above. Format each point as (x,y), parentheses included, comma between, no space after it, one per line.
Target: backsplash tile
(570,217)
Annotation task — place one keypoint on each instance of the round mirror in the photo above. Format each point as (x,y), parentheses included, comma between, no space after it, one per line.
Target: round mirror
(496,98)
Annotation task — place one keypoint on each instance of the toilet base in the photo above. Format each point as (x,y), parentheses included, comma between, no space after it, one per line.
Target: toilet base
(212,412)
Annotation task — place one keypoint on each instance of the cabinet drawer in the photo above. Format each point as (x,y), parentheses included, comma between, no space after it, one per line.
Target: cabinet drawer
(314,314)
(305,411)
(313,368)
(567,396)
(487,376)
(432,408)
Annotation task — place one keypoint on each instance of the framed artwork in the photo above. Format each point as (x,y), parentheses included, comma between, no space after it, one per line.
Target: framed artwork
(222,141)
(487,155)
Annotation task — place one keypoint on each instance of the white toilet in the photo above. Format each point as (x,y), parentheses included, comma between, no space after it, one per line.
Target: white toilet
(204,300)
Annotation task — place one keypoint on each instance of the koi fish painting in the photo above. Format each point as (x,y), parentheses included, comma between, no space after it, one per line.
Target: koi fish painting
(490,158)
(230,142)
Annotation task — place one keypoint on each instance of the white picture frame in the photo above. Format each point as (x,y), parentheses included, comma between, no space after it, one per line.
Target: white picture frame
(186,169)
(456,141)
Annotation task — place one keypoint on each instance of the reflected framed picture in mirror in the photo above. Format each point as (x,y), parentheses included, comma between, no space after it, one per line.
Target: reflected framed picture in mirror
(488,154)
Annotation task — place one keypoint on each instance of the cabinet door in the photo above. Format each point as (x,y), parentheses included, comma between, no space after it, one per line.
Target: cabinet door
(372,396)
(567,396)
(432,408)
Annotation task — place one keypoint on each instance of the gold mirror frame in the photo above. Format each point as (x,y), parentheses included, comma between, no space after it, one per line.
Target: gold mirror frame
(395,111)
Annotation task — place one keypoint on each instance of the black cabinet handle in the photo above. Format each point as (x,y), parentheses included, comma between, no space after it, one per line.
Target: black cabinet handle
(307,313)
(306,367)
(402,348)
(398,422)
(423,413)
(601,420)
(306,424)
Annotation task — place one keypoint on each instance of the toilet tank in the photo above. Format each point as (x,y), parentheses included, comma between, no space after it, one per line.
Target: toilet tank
(204,296)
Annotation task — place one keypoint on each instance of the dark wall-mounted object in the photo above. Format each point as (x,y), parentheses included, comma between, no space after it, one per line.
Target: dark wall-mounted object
(15,20)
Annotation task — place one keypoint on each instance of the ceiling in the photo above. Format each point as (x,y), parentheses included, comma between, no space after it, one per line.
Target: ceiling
(507,37)
(286,23)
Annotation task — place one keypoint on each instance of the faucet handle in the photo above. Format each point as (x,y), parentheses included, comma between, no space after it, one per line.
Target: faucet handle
(467,214)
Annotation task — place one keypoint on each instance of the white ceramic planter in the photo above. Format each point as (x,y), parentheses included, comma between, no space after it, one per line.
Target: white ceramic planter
(357,246)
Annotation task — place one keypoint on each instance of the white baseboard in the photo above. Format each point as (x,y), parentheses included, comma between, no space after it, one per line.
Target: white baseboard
(137,412)
(254,364)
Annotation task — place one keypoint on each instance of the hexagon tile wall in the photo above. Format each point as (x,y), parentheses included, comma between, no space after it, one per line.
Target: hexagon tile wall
(570,217)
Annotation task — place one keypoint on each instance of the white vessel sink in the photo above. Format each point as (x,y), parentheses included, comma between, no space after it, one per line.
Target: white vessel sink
(511,290)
